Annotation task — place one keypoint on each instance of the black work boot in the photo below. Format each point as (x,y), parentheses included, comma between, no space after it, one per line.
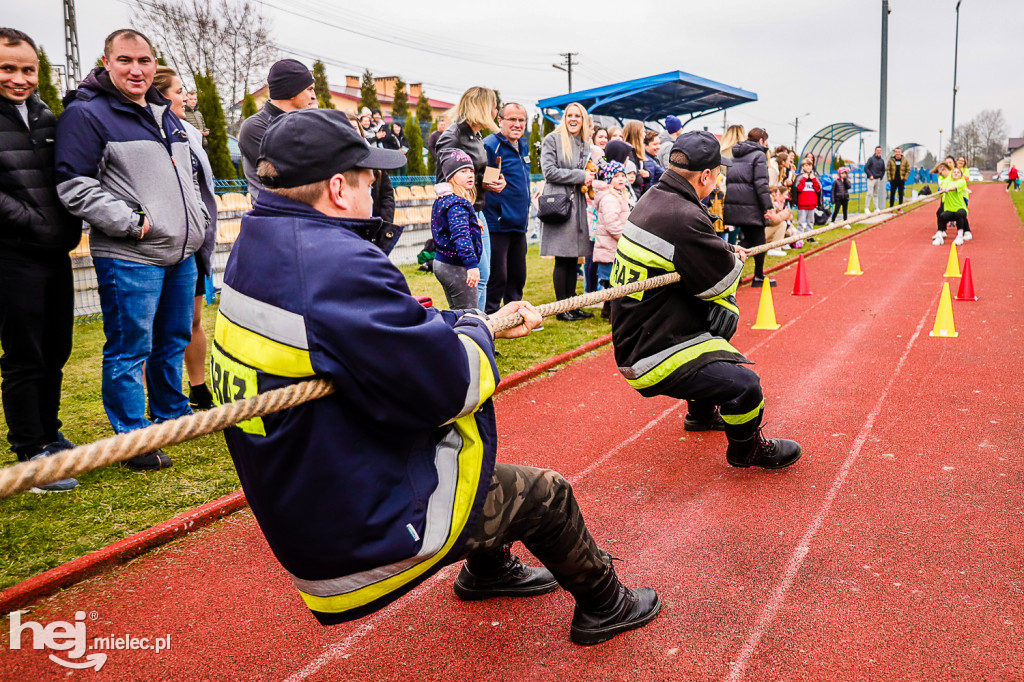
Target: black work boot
(716,423)
(758,451)
(512,579)
(624,609)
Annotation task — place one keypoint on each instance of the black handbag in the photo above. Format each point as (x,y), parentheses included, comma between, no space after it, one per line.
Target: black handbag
(554,209)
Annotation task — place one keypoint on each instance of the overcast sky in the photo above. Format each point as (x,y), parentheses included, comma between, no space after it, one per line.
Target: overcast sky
(816,57)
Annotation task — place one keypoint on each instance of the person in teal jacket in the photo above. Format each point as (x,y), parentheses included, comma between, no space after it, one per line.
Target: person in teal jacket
(364,494)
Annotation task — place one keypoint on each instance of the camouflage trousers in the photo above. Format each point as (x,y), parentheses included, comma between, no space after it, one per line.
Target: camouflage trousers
(537,506)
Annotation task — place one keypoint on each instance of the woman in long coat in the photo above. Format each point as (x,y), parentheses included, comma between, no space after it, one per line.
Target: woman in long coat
(563,158)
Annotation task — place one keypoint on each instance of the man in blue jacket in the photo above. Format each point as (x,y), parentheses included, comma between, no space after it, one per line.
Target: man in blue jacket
(364,494)
(508,212)
(124,165)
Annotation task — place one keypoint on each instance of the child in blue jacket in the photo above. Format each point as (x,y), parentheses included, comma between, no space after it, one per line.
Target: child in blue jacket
(456,231)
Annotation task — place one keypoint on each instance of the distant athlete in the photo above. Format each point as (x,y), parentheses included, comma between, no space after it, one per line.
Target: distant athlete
(674,340)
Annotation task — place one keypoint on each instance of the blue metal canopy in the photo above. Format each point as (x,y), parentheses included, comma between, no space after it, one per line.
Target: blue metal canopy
(826,142)
(653,98)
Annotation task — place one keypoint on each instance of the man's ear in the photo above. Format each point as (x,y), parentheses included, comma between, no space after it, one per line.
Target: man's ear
(336,187)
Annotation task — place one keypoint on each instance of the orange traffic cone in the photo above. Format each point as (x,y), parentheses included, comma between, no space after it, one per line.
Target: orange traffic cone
(854,266)
(800,287)
(944,325)
(953,264)
(766,309)
(966,292)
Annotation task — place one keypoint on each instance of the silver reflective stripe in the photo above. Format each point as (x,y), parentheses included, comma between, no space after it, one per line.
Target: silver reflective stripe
(649,241)
(725,282)
(647,364)
(440,508)
(473,392)
(267,320)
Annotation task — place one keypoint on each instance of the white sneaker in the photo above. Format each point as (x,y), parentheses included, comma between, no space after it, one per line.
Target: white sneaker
(959,241)
(775,252)
(968,236)
(938,239)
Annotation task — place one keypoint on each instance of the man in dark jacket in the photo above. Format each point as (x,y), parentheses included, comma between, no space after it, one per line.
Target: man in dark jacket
(364,494)
(897,171)
(748,198)
(508,213)
(674,340)
(37,296)
(875,170)
(290,85)
(124,165)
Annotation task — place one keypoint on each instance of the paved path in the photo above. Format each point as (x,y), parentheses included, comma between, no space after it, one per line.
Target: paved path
(890,551)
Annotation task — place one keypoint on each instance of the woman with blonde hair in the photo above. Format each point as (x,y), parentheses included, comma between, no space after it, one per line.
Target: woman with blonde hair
(633,135)
(475,111)
(565,224)
(733,135)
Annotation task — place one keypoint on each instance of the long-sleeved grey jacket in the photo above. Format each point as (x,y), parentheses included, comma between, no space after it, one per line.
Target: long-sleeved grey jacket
(114,159)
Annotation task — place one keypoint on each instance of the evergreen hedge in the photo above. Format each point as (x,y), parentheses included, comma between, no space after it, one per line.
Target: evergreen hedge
(213,114)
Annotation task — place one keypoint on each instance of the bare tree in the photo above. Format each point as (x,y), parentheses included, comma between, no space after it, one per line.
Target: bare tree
(229,39)
(983,139)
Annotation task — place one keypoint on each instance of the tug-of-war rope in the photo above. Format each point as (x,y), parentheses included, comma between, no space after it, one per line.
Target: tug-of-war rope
(84,458)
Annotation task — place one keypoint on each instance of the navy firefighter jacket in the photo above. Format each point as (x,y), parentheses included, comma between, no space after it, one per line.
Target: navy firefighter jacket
(365,493)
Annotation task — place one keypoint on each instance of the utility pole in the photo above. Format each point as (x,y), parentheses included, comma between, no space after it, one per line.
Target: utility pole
(880,199)
(566,65)
(74,70)
(956,51)
(796,131)
(725,121)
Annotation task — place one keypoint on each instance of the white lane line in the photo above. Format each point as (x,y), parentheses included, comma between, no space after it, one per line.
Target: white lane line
(340,648)
(771,609)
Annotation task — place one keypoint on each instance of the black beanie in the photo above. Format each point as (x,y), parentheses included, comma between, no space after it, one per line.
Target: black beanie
(288,78)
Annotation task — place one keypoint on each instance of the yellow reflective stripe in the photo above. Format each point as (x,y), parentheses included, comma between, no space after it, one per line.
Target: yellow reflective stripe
(471,458)
(484,375)
(731,290)
(727,305)
(260,352)
(736,419)
(642,255)
(677,360)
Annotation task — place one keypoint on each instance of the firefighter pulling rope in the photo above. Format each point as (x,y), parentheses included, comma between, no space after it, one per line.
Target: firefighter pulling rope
(85,458)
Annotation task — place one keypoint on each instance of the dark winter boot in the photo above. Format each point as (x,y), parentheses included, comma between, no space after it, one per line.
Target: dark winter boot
(758,451)
(716,423)
(512,578)
(615,609)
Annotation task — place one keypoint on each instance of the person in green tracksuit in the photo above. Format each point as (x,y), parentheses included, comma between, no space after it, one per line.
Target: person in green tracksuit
(674,340)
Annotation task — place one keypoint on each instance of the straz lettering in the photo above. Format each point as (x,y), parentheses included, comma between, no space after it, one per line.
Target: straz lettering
(233,381)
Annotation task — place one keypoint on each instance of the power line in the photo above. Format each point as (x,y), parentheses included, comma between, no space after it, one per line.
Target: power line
(566,65)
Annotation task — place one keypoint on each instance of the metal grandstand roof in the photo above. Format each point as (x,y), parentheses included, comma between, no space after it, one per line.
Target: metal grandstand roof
(827,141)
(654,97)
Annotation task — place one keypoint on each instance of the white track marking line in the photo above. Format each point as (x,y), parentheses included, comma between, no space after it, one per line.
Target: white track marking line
(340,648)
(764,621)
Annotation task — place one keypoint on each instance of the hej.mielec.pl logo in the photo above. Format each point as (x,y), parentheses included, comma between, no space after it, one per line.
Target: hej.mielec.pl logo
(71,637)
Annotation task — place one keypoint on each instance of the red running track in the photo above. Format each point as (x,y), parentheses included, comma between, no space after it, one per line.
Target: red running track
(890,551)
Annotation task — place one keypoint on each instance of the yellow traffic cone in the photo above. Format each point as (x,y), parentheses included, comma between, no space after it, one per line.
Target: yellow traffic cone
(953,264)
(766,309)
(944,318)
(854,266)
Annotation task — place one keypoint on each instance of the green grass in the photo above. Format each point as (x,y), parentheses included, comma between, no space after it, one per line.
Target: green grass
(1018,202)
(41,531)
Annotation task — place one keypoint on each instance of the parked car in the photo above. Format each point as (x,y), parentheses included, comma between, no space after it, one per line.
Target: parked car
(1001,176)
(974,175)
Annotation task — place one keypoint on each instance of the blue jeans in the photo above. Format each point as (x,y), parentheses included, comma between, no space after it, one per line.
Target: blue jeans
(485,263)
(147,318)
(604,273)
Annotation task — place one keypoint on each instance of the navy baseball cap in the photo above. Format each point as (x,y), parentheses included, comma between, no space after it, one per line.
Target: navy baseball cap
(702,150)
(311,145)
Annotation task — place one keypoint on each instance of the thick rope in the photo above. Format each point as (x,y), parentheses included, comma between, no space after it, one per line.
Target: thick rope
(84,458)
